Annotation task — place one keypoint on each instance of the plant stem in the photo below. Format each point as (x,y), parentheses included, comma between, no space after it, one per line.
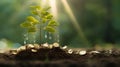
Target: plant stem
(40,33)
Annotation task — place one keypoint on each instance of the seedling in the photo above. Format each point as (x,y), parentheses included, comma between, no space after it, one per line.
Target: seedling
(40,20)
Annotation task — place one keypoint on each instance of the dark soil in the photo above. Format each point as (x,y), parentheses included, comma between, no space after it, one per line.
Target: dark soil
(57,57)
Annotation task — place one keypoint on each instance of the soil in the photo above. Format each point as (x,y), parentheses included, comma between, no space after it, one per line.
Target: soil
(58,57)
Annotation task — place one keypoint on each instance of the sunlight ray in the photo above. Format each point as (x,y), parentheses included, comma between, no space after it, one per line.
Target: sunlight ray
(53,8)
(74,21)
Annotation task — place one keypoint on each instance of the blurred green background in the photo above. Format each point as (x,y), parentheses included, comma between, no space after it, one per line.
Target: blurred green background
(83,23)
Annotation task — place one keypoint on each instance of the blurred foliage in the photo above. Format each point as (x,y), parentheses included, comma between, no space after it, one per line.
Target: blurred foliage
(99,19)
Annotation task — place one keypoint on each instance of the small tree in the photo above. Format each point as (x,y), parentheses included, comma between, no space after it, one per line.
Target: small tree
(40,20)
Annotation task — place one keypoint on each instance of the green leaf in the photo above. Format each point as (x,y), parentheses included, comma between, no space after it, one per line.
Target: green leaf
(26,25)
(35,12)
(52,23)
(49,29)
(44,20)
(34,23)
(31,19)
(49,16)
(32,29)
(46,9)
(44,13)
(36,7)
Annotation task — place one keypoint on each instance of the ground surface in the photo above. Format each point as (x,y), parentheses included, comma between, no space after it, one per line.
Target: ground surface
(59,57)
